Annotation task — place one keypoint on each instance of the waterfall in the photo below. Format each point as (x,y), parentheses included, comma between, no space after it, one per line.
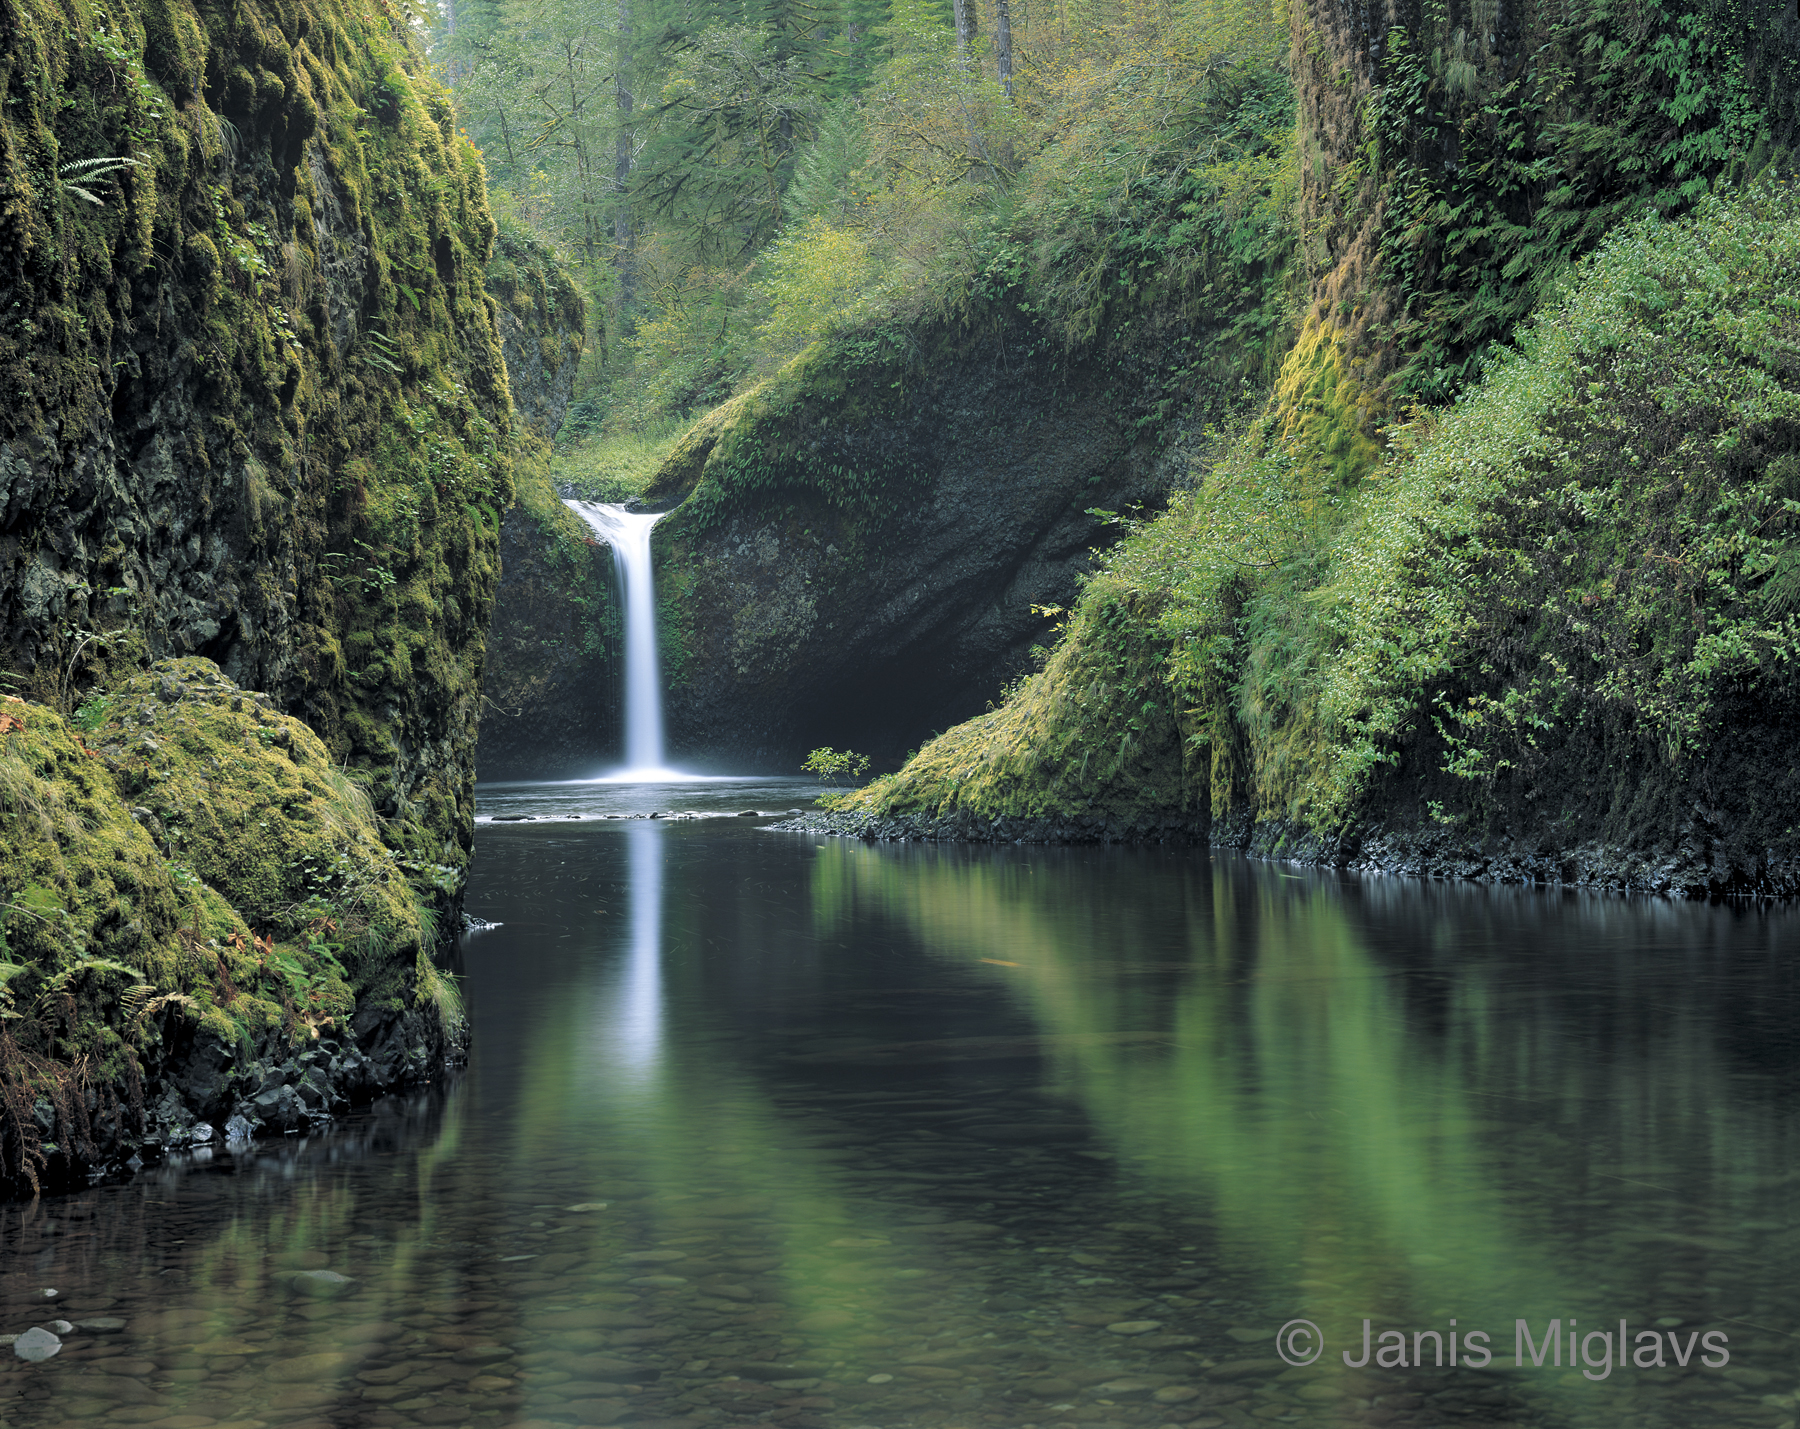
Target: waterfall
(628,533)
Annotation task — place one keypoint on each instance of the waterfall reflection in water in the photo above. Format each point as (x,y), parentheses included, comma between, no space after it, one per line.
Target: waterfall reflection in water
(634,1007)
(762,1129)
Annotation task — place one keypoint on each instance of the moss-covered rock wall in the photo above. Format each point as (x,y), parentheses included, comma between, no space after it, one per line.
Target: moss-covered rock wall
(866,544)
(542,320)
(202,931)
(1538,631)
(256,403)
(1552,637)
(553,701)
(552,697)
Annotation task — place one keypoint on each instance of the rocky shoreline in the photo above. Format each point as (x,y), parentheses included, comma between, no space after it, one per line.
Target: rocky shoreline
(962,827)
(1689,868)
(205,1093)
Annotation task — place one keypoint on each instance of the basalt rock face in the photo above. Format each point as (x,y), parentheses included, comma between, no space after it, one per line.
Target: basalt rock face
(552,698)
(860,544)
(256,408)
(542,321)
(553,693)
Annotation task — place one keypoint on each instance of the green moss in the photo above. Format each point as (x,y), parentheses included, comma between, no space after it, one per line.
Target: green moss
(250,800)
(792,437)
(1097,735)
(196,858)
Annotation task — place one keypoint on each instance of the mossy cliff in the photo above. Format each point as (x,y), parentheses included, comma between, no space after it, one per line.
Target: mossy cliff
(543,321)
(551,705)
(865,543)
(552,688)
(256,404)
(1494,583)
(1552,636)
(199,921)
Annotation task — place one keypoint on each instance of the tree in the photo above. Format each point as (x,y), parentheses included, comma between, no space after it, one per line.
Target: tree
(730,114)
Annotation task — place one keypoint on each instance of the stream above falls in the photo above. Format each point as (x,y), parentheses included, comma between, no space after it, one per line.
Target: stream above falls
(768,1128)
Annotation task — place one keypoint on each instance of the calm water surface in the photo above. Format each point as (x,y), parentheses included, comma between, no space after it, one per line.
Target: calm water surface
(768,1128)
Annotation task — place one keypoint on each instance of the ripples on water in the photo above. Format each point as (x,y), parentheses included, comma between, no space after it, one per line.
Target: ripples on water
(764,1128)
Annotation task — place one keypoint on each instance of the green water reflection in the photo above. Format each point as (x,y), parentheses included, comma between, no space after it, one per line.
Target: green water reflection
(754,1119)
(1378,1138)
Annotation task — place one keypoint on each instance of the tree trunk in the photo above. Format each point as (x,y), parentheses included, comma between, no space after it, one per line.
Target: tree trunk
(624,231)
(1003,43)
(965,30)
(585,174)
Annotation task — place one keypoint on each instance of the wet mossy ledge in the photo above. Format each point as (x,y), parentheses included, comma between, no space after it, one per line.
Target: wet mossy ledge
(202,932)
(1553,635)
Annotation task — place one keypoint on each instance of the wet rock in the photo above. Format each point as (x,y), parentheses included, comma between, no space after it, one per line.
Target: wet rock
(310,1369)
(1133,1387)
(320,1284)
(36,1344)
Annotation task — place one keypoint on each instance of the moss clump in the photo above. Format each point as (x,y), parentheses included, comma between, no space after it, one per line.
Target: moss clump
(1094,739)
(249,799)
(180,859)
(106,946)
(795,437)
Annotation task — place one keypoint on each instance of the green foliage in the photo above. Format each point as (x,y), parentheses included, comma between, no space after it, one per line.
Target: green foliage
(92,714)
(1595,545)
(1495,179)
(614,469)
(78,175)
(836,765)
(785,186)
(1591,539)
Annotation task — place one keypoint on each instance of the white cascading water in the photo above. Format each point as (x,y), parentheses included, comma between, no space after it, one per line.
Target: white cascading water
(628,533)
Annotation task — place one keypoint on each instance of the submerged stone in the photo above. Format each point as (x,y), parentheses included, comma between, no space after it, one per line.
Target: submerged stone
(321,1284)
(36,1344)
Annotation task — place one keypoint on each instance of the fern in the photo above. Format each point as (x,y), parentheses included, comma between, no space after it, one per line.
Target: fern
(77,173)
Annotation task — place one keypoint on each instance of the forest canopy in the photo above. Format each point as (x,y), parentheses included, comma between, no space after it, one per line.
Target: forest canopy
(732,183)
